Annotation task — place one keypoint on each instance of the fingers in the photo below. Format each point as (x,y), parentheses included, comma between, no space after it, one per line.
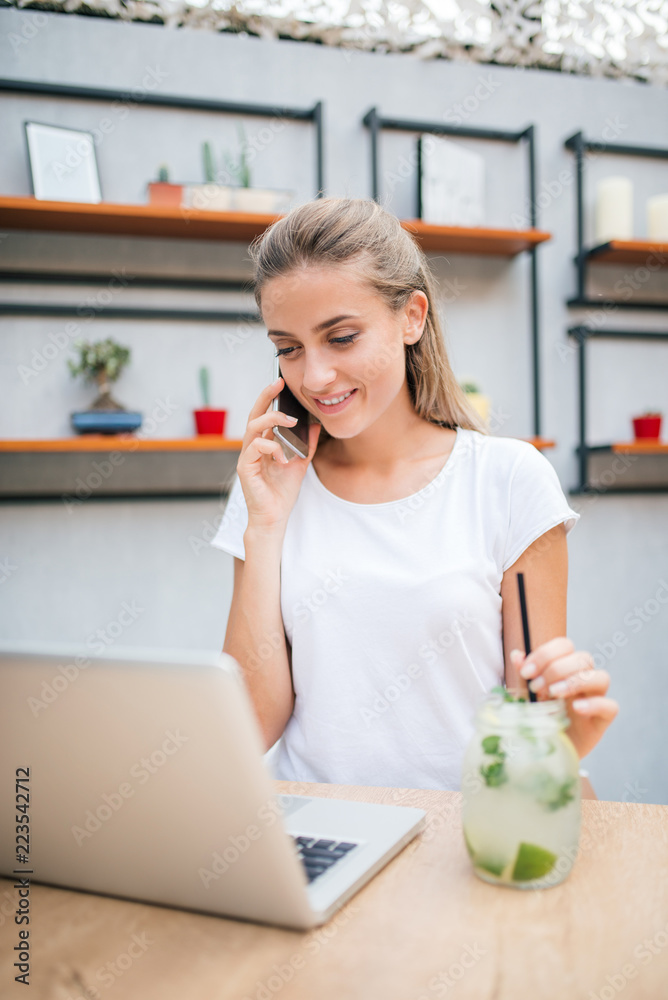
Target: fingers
(313,436)
(263,446)
(265,398)
(543,655)
(261,426)
(601,709)
(583,682)
(579,663)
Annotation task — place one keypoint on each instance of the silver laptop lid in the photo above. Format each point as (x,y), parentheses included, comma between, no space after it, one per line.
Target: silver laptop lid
(140,777)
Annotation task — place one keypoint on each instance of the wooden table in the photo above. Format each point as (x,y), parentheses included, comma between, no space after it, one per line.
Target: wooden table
(424,928)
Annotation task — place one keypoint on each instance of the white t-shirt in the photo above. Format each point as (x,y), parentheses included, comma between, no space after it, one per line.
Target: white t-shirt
(393,612)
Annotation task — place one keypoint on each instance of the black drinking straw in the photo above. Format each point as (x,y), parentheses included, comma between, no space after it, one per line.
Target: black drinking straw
(525,625)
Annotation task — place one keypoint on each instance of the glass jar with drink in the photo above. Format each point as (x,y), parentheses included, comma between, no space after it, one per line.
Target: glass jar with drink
(521,793)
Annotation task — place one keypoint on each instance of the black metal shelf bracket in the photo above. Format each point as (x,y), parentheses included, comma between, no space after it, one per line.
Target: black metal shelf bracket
(150,99)
(581,334)
(375,123)
(48,89)
(579,145)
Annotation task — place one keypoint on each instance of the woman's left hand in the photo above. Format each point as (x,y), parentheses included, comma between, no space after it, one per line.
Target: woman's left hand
(557,670)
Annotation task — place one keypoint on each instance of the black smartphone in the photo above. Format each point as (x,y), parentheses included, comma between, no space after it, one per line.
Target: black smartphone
(294,438)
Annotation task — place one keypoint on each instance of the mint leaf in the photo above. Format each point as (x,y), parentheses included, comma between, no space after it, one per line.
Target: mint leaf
(492,744)
(494,774)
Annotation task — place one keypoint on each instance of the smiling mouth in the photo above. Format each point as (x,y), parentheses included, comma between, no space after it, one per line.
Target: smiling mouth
(336,399)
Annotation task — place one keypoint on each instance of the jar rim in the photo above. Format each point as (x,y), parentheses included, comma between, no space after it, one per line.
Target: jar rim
(497,711)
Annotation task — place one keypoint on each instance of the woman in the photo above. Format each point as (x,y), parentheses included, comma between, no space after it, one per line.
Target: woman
(375,592)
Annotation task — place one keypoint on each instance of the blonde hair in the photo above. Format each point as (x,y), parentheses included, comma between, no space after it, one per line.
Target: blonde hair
(334,231)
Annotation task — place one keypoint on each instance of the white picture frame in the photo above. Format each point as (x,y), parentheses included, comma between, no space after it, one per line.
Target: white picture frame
(452,183)
(63,163)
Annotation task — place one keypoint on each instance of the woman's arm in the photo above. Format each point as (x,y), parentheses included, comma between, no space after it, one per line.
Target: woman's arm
(554,659)
(255,636)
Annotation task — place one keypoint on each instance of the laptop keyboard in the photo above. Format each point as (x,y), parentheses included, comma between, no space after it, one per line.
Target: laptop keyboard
(318,856)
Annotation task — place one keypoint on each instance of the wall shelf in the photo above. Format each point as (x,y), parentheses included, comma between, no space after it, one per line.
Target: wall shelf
(187,223)
(628,252)
(77,469)
(640,448)
(109,218)
(121,466)
(614,468)
(620,467)
(474,240)
(498,242)
(543,444)
(123,442)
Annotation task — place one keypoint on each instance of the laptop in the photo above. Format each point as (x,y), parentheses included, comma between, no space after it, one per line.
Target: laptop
(141,775)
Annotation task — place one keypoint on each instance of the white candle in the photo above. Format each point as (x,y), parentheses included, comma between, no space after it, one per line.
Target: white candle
(657,218)
(614,210)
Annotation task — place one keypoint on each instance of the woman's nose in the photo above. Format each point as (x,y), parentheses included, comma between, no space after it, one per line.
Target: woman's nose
(318,374)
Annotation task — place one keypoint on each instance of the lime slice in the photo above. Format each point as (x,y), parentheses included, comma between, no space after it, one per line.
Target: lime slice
(494,866)
(532,862)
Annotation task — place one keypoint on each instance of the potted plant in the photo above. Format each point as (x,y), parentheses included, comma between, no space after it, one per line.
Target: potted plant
(208,420)
(209,197)
(480,403)
(102,362)
(242,197)
(647,426)
(161,192)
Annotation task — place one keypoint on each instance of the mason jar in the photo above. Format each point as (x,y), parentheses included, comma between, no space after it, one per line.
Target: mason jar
(521,793)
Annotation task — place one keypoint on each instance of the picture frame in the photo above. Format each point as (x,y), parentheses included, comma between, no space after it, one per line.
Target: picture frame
(63,164)
(451,183)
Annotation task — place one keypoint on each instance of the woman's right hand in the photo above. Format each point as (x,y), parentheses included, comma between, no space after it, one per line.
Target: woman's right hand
(270,482)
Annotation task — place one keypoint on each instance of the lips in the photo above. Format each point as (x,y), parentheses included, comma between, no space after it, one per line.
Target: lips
(332,407)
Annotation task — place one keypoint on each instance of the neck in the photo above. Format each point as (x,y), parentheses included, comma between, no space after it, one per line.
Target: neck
(393,439)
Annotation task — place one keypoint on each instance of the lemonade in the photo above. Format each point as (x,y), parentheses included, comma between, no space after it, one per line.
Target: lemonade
(521,791)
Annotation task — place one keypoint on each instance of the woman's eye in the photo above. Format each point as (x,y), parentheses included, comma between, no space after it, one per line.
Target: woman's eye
(283,351)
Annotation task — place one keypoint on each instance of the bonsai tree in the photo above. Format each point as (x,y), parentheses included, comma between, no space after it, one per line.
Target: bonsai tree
(100,362)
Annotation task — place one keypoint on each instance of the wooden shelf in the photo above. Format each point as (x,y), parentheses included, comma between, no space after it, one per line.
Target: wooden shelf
(126,442)
(116,466)
(628,252)
(489,242)
(123,442)
(541,443)
(114,219)
(640,448)
(130,220)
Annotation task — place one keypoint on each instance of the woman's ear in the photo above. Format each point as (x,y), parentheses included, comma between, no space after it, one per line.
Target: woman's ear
(415,311)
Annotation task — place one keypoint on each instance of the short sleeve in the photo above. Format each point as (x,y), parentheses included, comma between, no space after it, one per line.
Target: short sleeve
(536,503)
(230,534)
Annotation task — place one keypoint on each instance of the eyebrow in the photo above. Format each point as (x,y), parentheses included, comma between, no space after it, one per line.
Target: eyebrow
(320,328)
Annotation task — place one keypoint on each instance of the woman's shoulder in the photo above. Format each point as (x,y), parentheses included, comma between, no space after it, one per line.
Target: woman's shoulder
(496,452)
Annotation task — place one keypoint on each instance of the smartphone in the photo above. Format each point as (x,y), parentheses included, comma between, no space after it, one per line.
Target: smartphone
(295,438)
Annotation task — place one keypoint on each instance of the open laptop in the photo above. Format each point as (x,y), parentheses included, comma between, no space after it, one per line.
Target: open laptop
(144,778)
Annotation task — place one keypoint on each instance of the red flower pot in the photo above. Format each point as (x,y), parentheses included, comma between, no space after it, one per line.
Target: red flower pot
(210,421)
(647,427)
(164,193)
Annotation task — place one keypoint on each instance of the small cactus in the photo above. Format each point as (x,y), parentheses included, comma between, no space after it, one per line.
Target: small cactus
(163,174)
(241,168)
(204,386)
(209,168)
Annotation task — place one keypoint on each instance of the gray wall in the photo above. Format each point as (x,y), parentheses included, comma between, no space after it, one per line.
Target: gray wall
(68,573)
